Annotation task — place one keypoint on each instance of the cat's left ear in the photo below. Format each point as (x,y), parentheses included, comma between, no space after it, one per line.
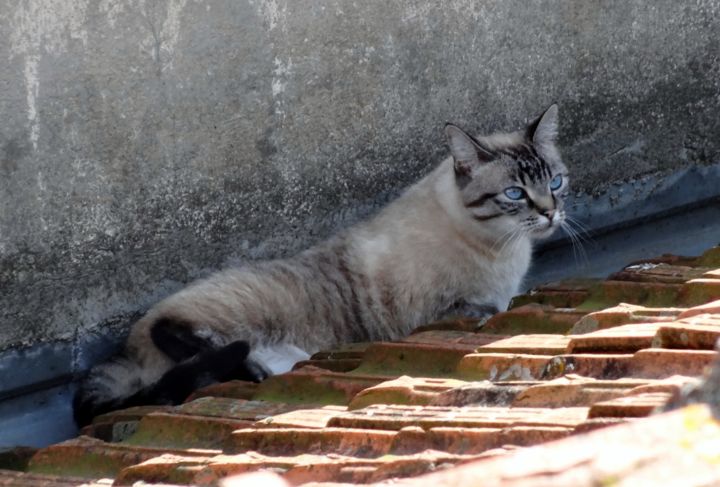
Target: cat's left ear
(467,152)
(543,131)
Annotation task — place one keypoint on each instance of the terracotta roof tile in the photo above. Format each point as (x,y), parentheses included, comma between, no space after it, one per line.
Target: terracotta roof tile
(710,258)
(703,319)
(528,344)
(334,365)
(404,390)
(570,391)
(678,448)
(713,307)
(361,443)
(681,335)
(395,417)
(471,441)
(661,273)
(533,318)
(594,365)
(569,293)
(342,359)
(316,417)
(418,359)
(655,294)
(623,314)
(20,479)
(673,385)
(92,459)
(448,337)
(618,339)
(712,274)
(184,431)
(632,406)
(314,385)
(569,358)
(658,363)
(699,291)
(453,324)
(502,366)
(296,469)
(485,393)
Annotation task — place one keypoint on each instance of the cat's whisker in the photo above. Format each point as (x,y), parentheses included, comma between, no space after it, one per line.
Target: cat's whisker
(507,237)
(511,240)
(517,237)
(577,244)
(577,222)
(573,240)
(582,230)
(502,240)
(580,234)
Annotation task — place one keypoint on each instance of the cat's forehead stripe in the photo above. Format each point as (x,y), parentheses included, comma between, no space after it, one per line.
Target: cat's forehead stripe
(531,168)
(534,168)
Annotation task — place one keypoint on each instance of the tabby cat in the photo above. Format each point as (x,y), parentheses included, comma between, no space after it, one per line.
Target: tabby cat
(456,242)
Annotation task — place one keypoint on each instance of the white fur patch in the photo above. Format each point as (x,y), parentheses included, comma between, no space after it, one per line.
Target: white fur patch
(374,249)
(278,358)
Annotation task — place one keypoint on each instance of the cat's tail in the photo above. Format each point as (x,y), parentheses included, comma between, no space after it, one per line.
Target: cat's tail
(98,393)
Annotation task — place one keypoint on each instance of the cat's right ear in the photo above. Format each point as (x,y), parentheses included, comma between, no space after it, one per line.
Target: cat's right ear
(467,153)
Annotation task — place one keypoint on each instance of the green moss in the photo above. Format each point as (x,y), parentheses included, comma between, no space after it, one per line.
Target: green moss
(411,360)
(710,258)
(182,432)
(516,324)
(88,465)
(695,294)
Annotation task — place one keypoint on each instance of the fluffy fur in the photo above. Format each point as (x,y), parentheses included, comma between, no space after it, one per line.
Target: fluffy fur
(454,242)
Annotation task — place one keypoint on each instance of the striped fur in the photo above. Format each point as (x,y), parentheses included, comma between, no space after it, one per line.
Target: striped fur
(441,243)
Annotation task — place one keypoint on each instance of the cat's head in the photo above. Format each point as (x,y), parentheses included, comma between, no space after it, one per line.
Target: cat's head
(513,181)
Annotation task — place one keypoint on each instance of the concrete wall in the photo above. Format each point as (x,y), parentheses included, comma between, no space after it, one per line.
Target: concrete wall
(144,143)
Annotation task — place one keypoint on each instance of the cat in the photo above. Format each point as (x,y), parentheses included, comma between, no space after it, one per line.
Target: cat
(458,242)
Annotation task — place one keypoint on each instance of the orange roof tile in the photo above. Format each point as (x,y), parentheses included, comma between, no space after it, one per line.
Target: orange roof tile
(527,399)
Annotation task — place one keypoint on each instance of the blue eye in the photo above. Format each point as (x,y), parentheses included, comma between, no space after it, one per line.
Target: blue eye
(556,182)
(515,193)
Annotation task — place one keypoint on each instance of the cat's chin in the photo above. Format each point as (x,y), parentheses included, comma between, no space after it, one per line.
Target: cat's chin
(541,233)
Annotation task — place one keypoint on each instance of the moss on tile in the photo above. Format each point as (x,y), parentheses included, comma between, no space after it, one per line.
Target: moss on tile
(415,359)
(88,464)
(532,318)
(181,431)
(710,258)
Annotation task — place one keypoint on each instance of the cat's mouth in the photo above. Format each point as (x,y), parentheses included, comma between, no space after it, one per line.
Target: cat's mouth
(546,228)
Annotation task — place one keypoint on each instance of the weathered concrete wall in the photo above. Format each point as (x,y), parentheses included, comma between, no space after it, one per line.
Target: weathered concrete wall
(143,143)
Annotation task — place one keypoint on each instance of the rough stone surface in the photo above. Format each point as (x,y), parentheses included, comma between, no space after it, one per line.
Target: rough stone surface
(145,143)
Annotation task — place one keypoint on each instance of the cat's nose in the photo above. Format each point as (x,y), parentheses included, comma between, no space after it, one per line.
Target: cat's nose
(549,214)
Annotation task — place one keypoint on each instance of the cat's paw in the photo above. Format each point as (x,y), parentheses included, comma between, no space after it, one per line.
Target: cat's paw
(463,309)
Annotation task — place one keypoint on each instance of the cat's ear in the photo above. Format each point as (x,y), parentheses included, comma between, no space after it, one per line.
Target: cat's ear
(466,151)
(543,131)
